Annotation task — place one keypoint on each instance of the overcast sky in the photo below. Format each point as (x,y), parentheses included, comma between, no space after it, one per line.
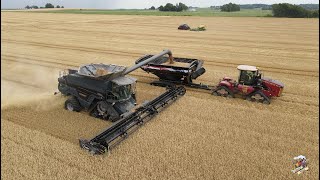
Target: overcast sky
(138,4)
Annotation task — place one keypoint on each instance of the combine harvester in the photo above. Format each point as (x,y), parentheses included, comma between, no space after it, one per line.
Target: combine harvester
(250,85)
(105,91)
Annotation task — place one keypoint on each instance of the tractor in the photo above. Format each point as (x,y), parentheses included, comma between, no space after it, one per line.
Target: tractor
(251,86)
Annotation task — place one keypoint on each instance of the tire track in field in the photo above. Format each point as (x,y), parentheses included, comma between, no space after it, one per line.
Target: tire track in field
(15,57)
(256,31)
(142,22)
(90,49)
(165,34)
(310,73)
(122,53)
(76,48)
(20,82)
(191,39)
(209,43)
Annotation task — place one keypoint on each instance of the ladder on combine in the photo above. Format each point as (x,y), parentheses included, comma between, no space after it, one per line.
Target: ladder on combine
(121,129)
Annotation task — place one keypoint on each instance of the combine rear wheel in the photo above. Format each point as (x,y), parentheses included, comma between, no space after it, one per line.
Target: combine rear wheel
(72,104)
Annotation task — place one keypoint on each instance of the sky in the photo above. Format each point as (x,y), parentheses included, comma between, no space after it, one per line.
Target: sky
(138,4)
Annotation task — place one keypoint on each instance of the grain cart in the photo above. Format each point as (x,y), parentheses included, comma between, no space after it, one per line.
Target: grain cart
(174,70)
(250,85)
(103,90)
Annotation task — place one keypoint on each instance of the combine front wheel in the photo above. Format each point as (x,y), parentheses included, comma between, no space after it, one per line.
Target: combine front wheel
(72,104)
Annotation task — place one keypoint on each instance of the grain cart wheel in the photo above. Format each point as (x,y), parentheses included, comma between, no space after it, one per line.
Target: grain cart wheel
(187,79)
(72,104)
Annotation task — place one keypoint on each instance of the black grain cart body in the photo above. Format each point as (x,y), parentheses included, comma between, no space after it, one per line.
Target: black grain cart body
(182,70)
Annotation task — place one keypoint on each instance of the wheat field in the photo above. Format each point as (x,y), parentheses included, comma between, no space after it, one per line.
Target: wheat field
(200,136)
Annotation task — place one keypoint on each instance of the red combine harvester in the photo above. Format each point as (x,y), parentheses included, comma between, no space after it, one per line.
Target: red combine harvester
(250,85)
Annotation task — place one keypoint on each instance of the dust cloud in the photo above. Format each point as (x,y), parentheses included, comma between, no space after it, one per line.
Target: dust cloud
(23,84)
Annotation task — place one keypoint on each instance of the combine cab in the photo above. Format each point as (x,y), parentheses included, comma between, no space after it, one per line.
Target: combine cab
(250,85)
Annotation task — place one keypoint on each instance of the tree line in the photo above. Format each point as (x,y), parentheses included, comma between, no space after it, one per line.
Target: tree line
(170,7)
(48,5)
(230,7)
(293,11)
(280,10)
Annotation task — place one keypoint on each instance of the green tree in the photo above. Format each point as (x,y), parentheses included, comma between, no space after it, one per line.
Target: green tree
(49,5)
(34,7)
(152,8)
(161,8)
(170,7)
(315,14)
(27,7)
(289,10)
(62,6)
(182,7)
(230,7)
(57,6)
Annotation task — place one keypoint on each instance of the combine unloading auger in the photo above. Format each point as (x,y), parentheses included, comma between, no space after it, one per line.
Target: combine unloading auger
(125,126)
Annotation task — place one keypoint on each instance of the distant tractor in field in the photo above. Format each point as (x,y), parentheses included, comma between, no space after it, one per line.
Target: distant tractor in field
(250,85)
(184,27)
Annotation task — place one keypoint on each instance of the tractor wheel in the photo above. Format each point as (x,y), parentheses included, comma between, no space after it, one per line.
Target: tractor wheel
(215,93)
(265,102)
(229,96)
(260,97)
(72,104)
(223,91)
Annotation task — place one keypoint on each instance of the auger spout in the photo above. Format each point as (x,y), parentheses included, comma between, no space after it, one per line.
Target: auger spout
(136,66)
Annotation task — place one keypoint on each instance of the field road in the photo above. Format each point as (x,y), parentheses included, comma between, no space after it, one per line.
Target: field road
(200,136)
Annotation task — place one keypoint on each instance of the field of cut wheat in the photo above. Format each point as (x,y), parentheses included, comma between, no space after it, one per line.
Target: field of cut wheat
(200,136)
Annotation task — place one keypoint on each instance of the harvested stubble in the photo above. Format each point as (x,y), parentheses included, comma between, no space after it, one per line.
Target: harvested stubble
(198,137)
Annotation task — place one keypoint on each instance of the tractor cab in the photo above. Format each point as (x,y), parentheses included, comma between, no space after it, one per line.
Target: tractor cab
(249,75)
